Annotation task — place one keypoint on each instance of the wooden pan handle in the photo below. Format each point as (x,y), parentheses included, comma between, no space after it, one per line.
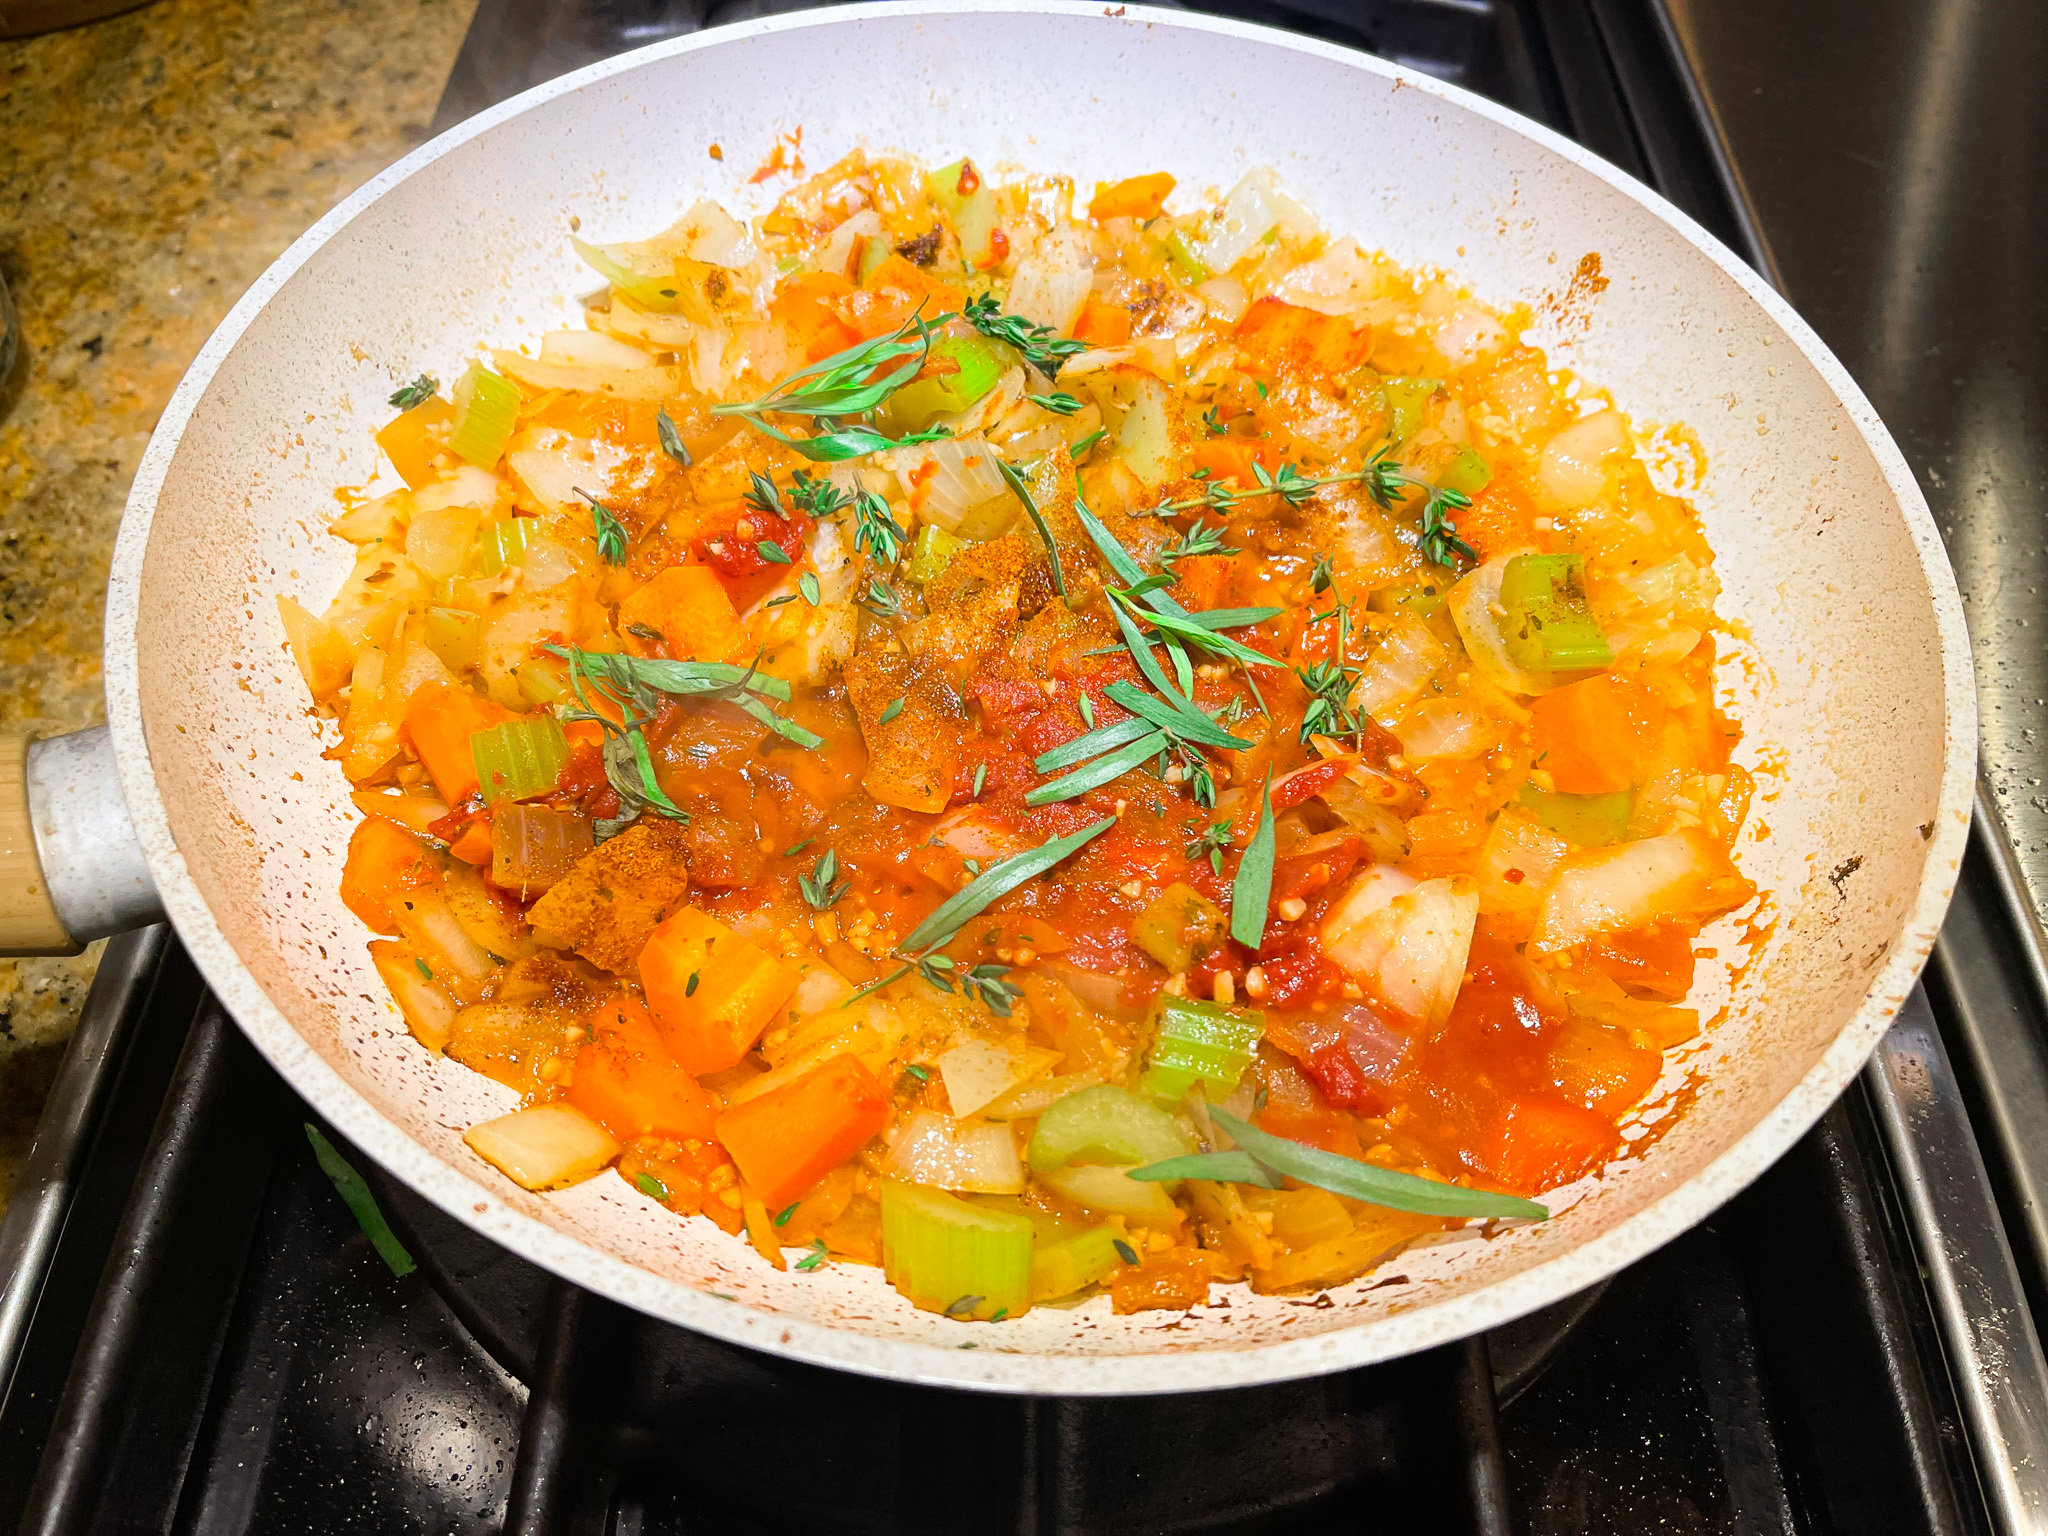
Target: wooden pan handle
(29,924)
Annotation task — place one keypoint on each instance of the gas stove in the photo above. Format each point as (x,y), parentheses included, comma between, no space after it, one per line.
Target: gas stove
(197,1337)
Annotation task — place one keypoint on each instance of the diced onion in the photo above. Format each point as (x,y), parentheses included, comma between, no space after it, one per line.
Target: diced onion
(936,1150)
(1515,864)
(1052,282)
(1226,298)
(1408,945)
(429,1012)
(633,383)
(1573,466)
(1447,728)
(708,233)
(1341,281)
(1399,669)
(836,254)
(1249,214)
(1630,885)
(591,349)
(544,1147)
(961,476)
(1034,1098)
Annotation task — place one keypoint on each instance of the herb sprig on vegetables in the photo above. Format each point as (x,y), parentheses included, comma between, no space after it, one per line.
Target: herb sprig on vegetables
(1043,347)
(611,533)
(418,392)
(919,951)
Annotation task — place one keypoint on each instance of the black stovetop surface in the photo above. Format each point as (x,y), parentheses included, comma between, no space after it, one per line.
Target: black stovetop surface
(220,1349)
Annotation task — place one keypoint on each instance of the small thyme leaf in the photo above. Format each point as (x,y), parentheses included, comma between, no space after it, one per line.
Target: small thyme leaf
(890,711)
(782,1216)
(650,1186)
(808,585)
(690,986)
(671,437)
(822,888)
(1060,403)
(1214,422)
(611,533)
(980,778)
(813,1259)
(1043,347)
(772,552)
(418,392)
(1124,1251)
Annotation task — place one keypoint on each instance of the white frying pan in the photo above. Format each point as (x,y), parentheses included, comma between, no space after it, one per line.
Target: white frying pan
(1848,665)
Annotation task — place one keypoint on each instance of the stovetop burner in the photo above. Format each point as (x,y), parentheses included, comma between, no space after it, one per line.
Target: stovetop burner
(245,1361)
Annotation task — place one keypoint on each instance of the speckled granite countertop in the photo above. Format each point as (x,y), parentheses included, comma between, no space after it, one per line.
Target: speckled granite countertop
(151,165)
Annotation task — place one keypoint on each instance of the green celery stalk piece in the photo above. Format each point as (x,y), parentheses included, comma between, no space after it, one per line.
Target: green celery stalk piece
(455,635)
(1068,1259)
(1406,400)
(1201,1042)
(1367,1181)
(1467,472)
(500,544)
(1104,1125)
(519,759)
(660,294)
(948,1255)
(1547,627)
(1591,821)
(486,410)
(932,552)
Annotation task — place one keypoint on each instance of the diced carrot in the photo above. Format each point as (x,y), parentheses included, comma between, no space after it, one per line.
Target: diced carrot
(803,305)
(473,843)
(1232,458)
(1657,960)
(1500,518)
(1542,1142)
(711,992)
(1287,333)
(791,1137)
(409,444)
(893,292)
(1135,197)
(1171,1281)
(1592,737)
(628,1083)
(688,606)
(1103,325)
(383,860)
(1205,580)
(439,720)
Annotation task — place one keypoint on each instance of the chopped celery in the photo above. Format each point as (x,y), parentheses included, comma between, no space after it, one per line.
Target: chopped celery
(1467,471)
(933,552)
(541,682)
(952,1256)
(519,759)
(1182,249)
(873,252)
(662,294)
(1105,1125)
(1069,1258)
(486,409)
(1546,627)
(1425,600)
(1180,927)
(971,204)
(1591,821)
(454,635)
(1113,1191)
(1406,399)
(970,367)
(1201,1042)
(499,544)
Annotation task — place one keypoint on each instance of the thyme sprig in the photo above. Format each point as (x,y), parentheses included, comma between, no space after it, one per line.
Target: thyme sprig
(1385,480)
(611,533)
(822,887)
(418,392)
(847,384)
(1043,347)
(986,982)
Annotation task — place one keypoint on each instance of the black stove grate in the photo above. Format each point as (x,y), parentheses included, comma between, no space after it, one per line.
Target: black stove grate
(248,1364)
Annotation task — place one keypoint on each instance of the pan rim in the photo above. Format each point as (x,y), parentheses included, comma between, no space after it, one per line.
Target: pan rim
(585,1263)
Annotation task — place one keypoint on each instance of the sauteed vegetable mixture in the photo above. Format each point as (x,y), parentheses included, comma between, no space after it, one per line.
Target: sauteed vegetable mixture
(1040,743)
